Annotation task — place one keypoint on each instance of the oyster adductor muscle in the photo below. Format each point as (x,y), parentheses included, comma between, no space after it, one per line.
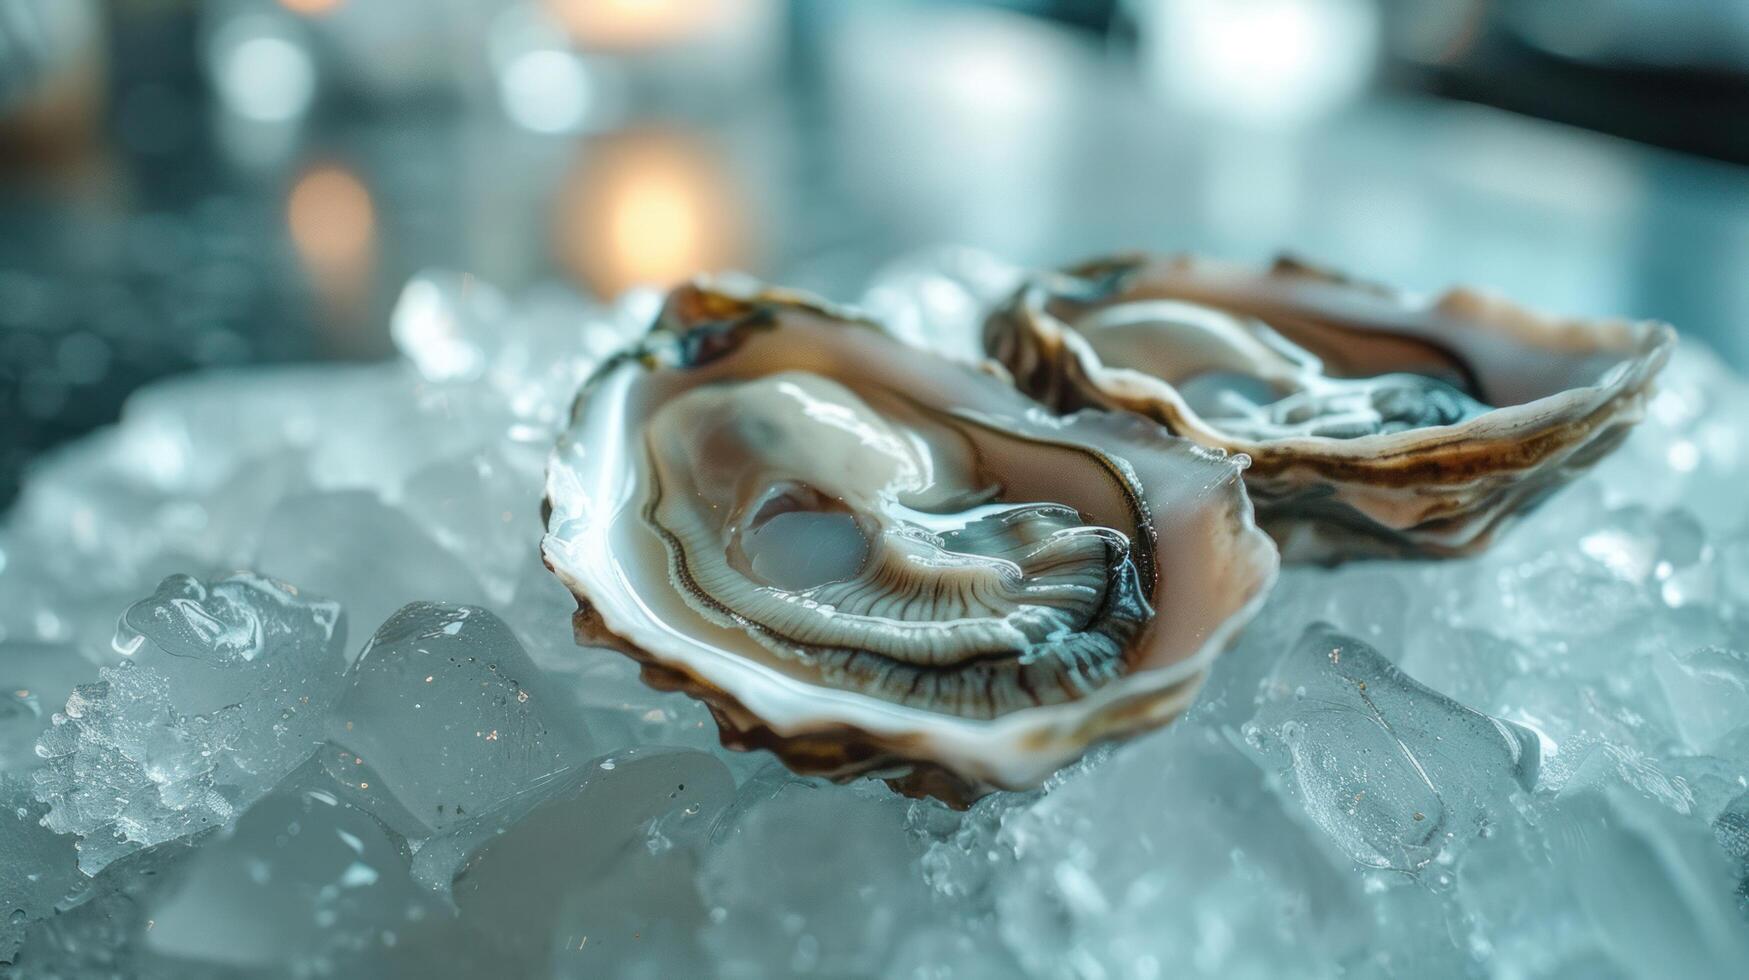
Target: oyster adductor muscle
(1378,424)
(873,560)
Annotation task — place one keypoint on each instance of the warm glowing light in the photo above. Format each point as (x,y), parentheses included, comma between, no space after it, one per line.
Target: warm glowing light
(635,23)
(333,226)
(309,8)
(647,209)
(331,216)
(653,224)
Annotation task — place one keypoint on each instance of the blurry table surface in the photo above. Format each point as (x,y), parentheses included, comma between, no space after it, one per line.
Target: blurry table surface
(172,238)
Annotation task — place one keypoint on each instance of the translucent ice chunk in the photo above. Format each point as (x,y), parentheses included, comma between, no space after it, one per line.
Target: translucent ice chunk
(97,931)
(1731,832)
(1650,884)
(1465,664)
(1608,766)
(35,679)
(223,691)
(1692,439)
(1571,718)
(192,433)
(38,867)
(1563,594)
(446,323)
(938,298)
(1175,852)
(444,715)
(530,354)
(1393,772)
(398,431)
(599,876)
(351,544)
(840,912)
(483,508)
(1708,691)
(303,879)
(235,640)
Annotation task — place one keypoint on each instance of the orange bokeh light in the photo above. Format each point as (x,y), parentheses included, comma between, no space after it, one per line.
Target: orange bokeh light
(625,24)
(331,217)
(310,8)
(332,223)
(647,208)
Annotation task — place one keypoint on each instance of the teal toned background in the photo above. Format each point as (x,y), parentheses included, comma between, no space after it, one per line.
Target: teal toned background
(187,184)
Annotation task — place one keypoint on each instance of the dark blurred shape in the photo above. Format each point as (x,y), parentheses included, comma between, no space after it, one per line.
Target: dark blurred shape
(43,43)
(51,80)
(1673,73)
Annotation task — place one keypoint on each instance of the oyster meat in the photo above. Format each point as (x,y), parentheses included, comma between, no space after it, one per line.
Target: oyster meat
(1377,424)
(872,560)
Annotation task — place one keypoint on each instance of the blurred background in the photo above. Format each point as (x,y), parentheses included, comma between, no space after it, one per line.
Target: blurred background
(187,184)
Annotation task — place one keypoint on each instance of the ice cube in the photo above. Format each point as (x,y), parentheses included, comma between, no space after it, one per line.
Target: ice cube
(1465,664)
(1174,852)
(98,930)
(937,298)
(303,880)
(193,433)
(847,896)
(349,543)
(1708,691)
(239,639)
(38,867)
(483,508)
(1606,881)
(35,679)
(597,880)
(1731,832)
(454,327)
(445,715)
(1561,594)
(1393,772)
(1572,717)
(1650,884)
(1607,765)
(1691,451)
(222,692)
(620,708)
(447,323)
(399,428)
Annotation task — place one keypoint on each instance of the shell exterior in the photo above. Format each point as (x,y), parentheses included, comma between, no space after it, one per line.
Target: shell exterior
(1524,401)
(1206,566)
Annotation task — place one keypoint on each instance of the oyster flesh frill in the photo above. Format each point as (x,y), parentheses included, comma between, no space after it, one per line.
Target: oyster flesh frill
(872,560)
(1376,424)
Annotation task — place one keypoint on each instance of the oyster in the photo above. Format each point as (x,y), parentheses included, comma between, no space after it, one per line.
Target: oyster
(1377,424)
(871,560)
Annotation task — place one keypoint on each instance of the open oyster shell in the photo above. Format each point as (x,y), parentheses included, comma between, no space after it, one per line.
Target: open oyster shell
(872,560)
(1377,424)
